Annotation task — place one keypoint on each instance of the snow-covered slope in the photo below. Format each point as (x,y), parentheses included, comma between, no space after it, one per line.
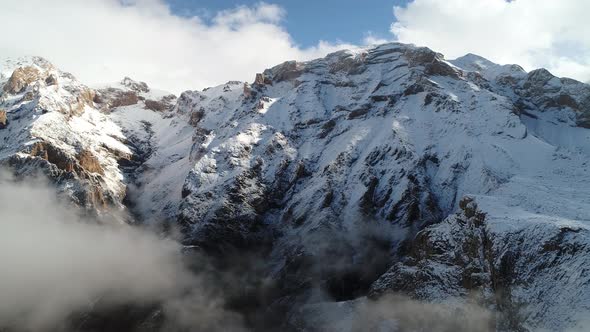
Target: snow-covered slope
(161,143)
(52,125)
(56,125)
(396,136)
(349,172)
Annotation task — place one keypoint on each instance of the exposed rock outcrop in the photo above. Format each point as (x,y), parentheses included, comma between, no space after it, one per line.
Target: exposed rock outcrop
(261,80)
(432,62)
(21,78)
(112,98)
(3,119)
(129,92)
(135,85)
(166,103)
(287,71)
(53,155)
(32,76)
(89,162)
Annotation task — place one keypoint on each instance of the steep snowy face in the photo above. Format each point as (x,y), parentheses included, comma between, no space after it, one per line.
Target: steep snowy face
(161,141)
(520,247)
(392,138)
(393,133)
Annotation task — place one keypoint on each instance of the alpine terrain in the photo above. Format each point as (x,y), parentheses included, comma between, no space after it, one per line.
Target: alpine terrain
(334,194)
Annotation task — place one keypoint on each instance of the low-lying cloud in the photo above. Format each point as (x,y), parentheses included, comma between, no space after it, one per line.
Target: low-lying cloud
(400,313)
(397,313)
(55,263)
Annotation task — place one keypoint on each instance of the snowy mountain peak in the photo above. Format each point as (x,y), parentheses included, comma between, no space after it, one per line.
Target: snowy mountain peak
(134,85)
(396,169)
(7,66)
(491,71)
(55,124)
(395,135)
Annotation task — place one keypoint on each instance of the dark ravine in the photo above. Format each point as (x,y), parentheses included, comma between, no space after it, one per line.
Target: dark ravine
(132,167)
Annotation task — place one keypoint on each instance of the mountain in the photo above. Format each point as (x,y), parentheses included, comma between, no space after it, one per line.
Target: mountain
(64,129)
(368,172)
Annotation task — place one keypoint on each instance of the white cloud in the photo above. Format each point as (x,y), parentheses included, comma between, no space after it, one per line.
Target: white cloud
(371,39)
(56,262)
(103,40)
(533,33)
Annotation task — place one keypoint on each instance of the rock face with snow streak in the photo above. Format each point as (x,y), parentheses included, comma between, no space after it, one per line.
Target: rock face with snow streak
(386,169)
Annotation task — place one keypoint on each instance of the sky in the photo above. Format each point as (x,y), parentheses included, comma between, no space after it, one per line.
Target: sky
(177,45)
(310,21)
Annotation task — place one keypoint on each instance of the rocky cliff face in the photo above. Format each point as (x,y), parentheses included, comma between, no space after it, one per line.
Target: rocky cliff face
(368,172)
(53,128)
(53,124)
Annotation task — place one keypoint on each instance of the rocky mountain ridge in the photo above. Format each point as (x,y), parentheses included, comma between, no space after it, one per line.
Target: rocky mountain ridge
(370,171)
